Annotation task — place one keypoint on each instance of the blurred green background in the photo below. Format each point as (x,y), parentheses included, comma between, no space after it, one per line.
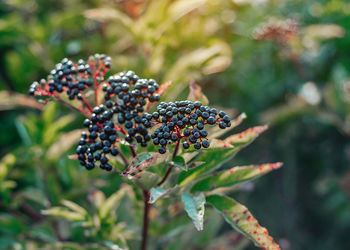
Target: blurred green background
(284,63)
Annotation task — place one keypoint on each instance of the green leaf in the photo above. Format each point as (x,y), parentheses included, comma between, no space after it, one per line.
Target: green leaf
(63,213)
(5,164)
(112,202)
(233,176)
(63,144)
(52,129)
(212,159)
(146,180)
(220,152)
(49,113)
(179,162)
(194,206)
(75,207)
(157,193)
(23,132)
(243,221)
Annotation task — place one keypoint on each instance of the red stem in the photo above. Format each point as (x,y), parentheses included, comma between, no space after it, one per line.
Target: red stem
(85,101)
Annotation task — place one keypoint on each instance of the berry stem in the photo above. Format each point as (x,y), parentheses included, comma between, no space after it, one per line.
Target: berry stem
(147,206)
(132,150)
(167,173)
(84,112)
(122,156)
(85,101)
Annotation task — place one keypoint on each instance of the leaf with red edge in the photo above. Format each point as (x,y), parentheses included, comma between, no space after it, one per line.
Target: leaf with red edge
(243,221)
(212,159)
(160,91)
(142,162)
(246,136)
(11,100)
(63,144)
(216,132)
(196,94)
(215,157)
(234,175)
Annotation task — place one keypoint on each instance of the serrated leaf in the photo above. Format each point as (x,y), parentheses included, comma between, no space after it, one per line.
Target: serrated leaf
(196,94)
(233,176)
(243,221)
(212,159)
(112,202)
(142,162)
(216,132)
(194,206)
(63,213)
(246,136)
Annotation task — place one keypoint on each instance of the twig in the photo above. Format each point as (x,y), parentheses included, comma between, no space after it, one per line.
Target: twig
(167,173)
(147,206)
(86,102)
(132,150)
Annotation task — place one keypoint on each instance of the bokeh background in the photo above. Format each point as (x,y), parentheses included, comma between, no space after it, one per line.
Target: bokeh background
(284,63)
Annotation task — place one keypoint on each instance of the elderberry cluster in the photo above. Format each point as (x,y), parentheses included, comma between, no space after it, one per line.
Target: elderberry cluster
(128,94)
(72,78)
(185,121)
(100,140)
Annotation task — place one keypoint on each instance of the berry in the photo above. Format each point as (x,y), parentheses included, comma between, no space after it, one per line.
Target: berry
(197,145)
(186,145)
(205,144)
(162,150)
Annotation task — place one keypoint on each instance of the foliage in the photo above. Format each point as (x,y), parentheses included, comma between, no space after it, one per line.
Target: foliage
(298,87)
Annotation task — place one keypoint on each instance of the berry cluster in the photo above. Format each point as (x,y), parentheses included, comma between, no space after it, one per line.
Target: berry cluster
(186,120)
(100,140)
(128,94)
(72,78)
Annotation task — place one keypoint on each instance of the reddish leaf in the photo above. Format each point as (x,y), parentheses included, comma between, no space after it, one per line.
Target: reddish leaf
(234,175)
(243,221)
(142,162)
(246,136)
(216,132)
(196,94)
(160,91)
(11,100)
